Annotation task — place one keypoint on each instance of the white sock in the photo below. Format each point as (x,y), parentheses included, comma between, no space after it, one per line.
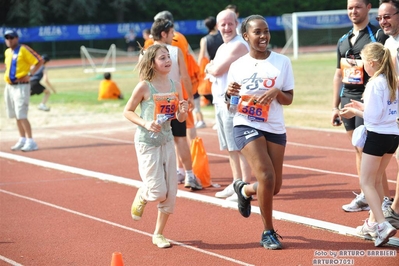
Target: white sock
(29,140)
(180,171)
(243,193)
(190,173)
(22,139)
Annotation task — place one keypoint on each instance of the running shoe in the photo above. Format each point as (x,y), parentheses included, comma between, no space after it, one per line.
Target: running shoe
(18,145)
(138,206)
(227,192)
(180,178)
(192,182)
(367,229)
(43,107)
(386,203)
(200,124)
(233,198)
(392,217)
(384,231)
(29,146)
(270,240)
(160,241)
(244,204)
(357,204)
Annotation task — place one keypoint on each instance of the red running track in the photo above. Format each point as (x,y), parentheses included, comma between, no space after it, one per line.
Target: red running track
(69,204)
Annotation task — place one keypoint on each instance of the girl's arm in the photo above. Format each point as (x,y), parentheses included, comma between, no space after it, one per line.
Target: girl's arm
(181,113)
(139,94)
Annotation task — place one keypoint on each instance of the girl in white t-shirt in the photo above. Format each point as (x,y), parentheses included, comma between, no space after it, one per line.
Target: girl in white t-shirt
(379,111)
(265,82)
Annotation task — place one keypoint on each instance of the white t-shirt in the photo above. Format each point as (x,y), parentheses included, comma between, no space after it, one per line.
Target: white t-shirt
(392,43)
(258,76)
(379,112)
(219,84)
(174,73)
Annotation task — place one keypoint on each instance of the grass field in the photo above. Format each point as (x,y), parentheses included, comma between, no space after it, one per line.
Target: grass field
(76,97)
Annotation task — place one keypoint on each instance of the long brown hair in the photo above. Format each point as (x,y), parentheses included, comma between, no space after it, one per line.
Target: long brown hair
(146,64)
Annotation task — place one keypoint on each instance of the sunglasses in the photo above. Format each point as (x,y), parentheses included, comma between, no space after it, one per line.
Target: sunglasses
(168,24)
(386,17)
(9,37)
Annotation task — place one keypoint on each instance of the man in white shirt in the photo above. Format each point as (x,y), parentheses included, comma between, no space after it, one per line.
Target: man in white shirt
(233,47)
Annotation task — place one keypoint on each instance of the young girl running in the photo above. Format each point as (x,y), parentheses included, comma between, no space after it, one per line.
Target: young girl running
(158,96)
(379,111)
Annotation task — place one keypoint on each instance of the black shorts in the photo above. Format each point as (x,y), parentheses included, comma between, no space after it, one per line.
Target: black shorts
(36,87)
(380,144)
(354,122)
(179,129)
(245,134)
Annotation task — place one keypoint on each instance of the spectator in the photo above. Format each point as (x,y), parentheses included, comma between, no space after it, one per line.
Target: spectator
(130,39)
(108,90)
(17,89)
(38,88)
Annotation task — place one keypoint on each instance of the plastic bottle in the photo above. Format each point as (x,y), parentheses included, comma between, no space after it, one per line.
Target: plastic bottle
(161,118)
(233,105)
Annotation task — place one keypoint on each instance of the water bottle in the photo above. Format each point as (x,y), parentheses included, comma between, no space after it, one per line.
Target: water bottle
(161,118)
(233,104)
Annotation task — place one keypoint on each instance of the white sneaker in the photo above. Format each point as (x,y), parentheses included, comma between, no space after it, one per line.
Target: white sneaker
(192,182)
(227,192)
(29,146)
(386,203)
(384,231)
(357,204)
(18,145)
(43,107)
(233,198)
(367,229)
(180,178)
(200,124)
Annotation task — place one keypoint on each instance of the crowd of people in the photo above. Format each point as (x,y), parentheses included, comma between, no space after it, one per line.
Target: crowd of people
(239,64)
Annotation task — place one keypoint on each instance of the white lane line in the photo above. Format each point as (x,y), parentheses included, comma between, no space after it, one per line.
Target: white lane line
(11,262)
(341,229)
(121,226)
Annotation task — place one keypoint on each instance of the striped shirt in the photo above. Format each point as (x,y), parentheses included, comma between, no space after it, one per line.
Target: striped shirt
(18,62)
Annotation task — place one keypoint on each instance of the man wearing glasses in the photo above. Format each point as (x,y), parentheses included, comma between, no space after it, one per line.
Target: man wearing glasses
(21,62)
(350,78)
(388,18)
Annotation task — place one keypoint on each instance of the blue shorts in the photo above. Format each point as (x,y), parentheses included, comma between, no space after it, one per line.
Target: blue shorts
(245,134)
(380,144)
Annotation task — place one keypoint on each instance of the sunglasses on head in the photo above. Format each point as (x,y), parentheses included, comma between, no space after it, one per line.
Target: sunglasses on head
(168,24)
(7,37)
(386,17)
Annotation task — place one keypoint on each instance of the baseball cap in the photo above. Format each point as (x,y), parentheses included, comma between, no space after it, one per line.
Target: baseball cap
(11,33)
(45,57)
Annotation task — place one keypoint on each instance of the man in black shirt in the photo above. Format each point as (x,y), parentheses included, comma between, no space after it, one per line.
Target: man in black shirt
(350,78)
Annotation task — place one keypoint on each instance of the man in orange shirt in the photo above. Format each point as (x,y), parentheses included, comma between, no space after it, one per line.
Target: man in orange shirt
(108,89)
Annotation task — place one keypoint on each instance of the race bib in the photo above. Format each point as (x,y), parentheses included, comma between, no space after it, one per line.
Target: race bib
(167,104)
(352,71)
(254,111)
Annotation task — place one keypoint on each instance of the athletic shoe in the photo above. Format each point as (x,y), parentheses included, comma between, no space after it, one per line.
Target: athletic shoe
(244,204)
(138,206)
(357,204)
(160,241)
(392,217)
(270,240)
(384,231)
(200,124)
(233,197)
(367,229)
(180,178)
(227,192)
(43,107)
(18,145)
(386,203)
(192,182)
(29,146)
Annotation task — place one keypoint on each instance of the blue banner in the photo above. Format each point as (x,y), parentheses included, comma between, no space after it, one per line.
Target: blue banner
(110,31)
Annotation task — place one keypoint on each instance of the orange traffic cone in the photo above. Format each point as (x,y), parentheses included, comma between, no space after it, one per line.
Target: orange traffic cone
(117,259)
